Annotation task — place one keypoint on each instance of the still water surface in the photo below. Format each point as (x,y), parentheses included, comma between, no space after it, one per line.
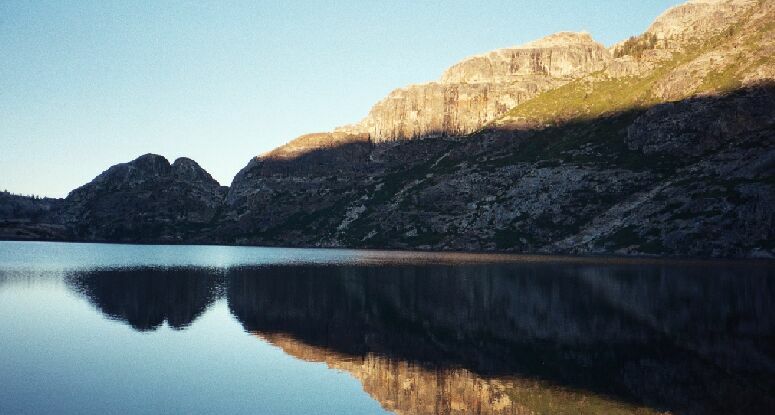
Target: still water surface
(88,328)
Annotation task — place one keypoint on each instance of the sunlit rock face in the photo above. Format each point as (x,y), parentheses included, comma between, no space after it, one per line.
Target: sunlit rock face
(480,88)
(684,28)
(560,55)
(697,19)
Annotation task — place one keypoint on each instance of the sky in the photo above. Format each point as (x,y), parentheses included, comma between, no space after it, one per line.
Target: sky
(88,84)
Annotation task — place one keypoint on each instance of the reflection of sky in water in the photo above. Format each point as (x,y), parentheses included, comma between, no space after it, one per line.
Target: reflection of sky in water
(27,255)
(91,328)
(15,255)
(52,256)
(59,356)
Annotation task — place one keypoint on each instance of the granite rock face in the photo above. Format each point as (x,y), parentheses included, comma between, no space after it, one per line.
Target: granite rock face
(684,28)
(560,55)
(684,24)
(147,199)
(479,89)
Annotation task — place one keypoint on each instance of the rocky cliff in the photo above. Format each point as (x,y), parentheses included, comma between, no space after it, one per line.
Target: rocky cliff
(479,89)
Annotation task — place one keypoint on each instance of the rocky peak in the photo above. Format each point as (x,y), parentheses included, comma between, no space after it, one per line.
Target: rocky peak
(185,168)
(138,170)
(145,199)
(152,167)
(696,19)
(706,46)
(149,159)
(560,55)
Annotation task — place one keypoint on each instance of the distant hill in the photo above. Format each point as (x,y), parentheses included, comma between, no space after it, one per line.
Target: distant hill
(30,217)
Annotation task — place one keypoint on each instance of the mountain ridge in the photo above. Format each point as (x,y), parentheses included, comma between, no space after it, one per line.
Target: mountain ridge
(659,145)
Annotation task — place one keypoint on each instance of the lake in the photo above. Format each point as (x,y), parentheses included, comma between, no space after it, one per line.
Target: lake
(131,329)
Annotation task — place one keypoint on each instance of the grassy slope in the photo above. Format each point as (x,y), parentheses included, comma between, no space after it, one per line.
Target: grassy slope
(598,95)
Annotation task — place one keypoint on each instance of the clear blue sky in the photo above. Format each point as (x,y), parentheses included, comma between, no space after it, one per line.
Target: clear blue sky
(87,84)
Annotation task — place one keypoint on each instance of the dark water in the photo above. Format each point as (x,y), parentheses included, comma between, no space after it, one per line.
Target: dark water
(152,329)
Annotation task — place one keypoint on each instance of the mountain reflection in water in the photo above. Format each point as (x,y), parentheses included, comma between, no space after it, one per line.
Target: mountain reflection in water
(498,338)
(146,298)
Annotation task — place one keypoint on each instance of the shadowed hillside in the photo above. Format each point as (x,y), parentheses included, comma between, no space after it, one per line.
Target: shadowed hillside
(692,178)
(30,217)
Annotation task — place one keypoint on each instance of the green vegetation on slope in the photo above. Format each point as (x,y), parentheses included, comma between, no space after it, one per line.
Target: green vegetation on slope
(636,45)
(598,94)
